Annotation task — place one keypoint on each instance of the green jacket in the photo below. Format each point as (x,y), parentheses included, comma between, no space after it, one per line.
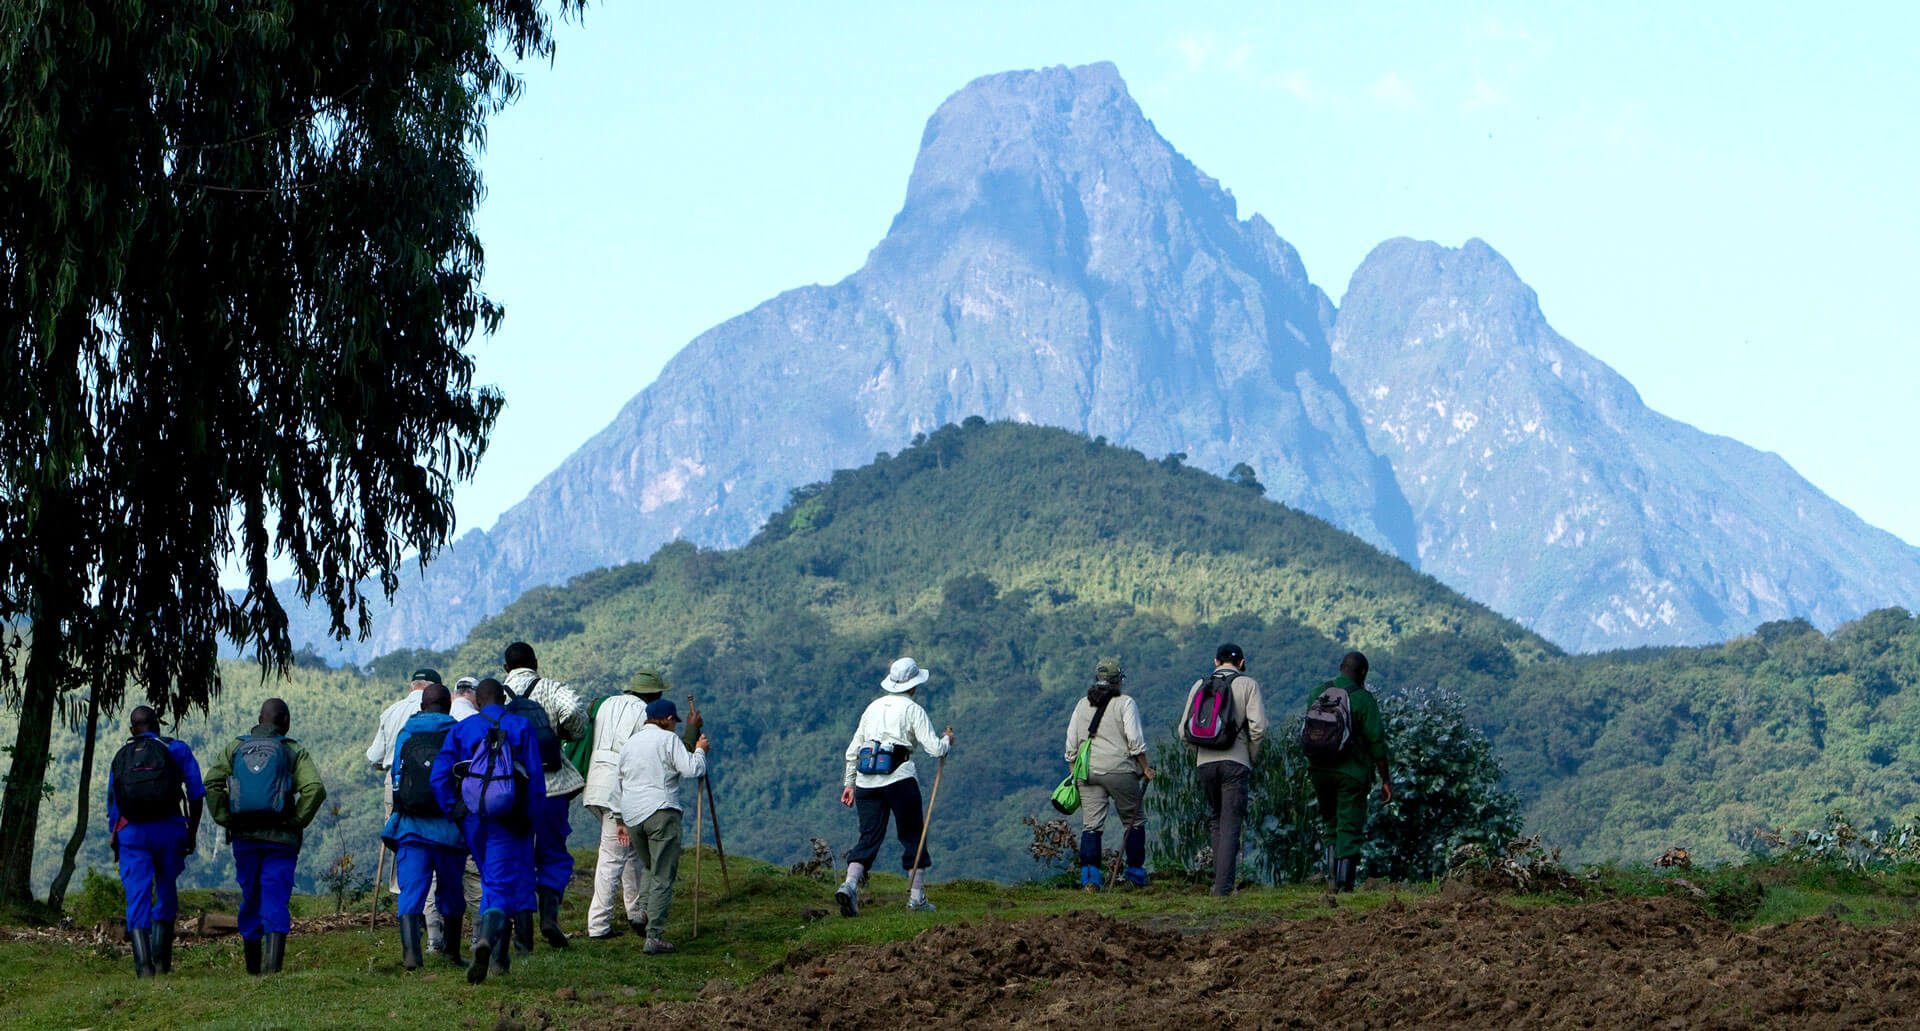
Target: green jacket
(1367,746)
(307,789)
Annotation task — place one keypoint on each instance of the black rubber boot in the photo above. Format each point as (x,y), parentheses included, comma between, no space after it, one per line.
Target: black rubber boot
(523,932)
(490,925)
(275,953)
(163,946)
(410,928)
(450,928)
(550,918)
(1344,872)
(252,951)
(142,952)
(502,937)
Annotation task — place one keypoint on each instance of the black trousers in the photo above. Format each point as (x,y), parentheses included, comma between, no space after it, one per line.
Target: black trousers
(1225,785)
(901,800)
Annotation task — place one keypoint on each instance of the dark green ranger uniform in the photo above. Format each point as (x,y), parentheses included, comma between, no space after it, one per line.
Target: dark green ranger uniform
(1342,784)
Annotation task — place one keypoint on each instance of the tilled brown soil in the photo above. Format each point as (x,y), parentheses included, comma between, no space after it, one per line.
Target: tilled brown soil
(1445,962)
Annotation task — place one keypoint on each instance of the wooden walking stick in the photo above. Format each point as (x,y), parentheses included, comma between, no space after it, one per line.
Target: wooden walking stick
(696,865)
(927,824)
(379,887)
(713,809)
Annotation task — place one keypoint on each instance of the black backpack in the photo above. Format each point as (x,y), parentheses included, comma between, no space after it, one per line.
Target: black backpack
(147,783)
(413,795)
(535,713)
(1211,722)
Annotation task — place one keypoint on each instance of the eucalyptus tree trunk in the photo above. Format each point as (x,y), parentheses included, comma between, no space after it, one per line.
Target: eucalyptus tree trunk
(27,777)
(57,892)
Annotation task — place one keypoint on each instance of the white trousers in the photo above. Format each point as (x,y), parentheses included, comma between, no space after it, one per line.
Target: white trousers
(614,871)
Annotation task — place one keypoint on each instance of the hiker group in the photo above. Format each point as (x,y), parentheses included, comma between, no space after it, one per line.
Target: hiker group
(478,780)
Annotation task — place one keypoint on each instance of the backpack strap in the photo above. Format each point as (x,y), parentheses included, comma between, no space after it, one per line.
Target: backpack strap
(1099,711)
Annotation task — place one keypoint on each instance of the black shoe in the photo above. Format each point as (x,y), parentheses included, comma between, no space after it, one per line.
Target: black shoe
(252,951)
(550,918)
(142,952)
(451,926)
(410,928)
(163,946)
(523,932)
(638,927)
(276,952)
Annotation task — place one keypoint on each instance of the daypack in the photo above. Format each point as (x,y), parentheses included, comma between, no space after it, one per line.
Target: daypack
(1328,727)
(147,783)
(413,795)
(490,781)
(1211,722)
(260,788)
(535,713)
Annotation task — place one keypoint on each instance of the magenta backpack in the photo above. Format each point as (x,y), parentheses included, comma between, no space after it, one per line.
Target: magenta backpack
(1211,722)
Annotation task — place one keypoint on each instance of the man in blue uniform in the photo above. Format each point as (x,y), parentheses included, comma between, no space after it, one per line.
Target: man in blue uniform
(265,791)
(429,850)
(152,835)
(489,772)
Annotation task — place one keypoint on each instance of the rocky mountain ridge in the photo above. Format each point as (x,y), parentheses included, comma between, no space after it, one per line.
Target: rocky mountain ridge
(1057,261)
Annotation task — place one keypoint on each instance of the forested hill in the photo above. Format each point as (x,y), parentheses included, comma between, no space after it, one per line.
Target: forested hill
(1009,558)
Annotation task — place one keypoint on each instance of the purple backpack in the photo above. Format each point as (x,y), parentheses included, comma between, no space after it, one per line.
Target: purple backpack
(490,781)
(1211,723)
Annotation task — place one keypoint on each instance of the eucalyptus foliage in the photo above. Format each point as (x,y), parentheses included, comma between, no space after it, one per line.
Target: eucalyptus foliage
(238,278)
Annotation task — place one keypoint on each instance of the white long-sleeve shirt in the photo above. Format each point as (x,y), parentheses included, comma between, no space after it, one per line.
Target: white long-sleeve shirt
(892,719)
(652,763)
(615,723)
(380,753)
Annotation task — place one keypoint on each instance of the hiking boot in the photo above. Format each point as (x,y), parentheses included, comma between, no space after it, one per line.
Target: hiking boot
(656,946)
(921,904)
(252,951)
(550,918)
(849,898)
(613,931)
(450,939)
(142,952)
(523,932)
(162,940)
(410,926)
(638,927)
(275,953)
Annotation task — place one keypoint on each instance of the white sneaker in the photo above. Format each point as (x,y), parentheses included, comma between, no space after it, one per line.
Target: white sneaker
(849,898)
(921,904)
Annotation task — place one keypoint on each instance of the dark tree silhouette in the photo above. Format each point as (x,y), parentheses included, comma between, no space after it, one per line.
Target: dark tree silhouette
(238,277)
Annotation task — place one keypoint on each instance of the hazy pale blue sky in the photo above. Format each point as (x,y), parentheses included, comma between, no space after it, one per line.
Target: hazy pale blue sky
(1720,200)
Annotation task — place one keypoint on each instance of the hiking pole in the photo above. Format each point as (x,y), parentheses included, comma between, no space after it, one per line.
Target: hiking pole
(927,823)
(713,810)
(696,864)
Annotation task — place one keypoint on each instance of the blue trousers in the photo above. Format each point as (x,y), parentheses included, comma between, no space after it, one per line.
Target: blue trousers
(552,863)
(265,872)
(441,867)
(504,856)
(150,865)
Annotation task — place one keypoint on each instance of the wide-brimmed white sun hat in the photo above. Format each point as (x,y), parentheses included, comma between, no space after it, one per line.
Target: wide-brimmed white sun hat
(905,675)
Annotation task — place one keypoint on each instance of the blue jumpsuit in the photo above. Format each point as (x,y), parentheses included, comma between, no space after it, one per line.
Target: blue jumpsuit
(153,853)
(428,850)
(502,848)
